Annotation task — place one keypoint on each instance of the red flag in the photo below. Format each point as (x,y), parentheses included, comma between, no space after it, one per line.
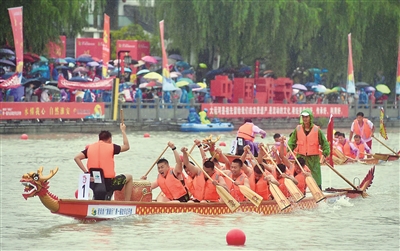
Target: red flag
(16,24)
(330,138)
(106,45)
(350,86)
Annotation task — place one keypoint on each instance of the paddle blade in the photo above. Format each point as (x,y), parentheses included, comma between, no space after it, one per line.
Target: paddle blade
(314,188)
(294,190)
(279,197)
(252,196)
(228,199)
(379,156)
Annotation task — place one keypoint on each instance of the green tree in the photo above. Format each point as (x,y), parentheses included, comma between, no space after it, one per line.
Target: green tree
(286,34)
(130,32)
(44,21)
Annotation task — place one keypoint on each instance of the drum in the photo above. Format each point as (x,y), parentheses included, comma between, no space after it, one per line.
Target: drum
(141,191)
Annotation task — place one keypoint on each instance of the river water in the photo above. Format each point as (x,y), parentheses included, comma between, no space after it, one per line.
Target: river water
(360,224)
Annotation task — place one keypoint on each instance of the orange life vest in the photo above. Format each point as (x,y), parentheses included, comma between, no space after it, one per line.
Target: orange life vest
(196,186)
(366,133)
(308,145)
(301,178)
(246,132)
(210,191)
(171,186)
(234,190)
(101,155)
(278,147)
(261,187)
(347,150)
(361,150)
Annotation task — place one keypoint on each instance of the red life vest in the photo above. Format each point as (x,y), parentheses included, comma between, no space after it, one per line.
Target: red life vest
(366,133)
(347,150)
(307,145)
(210,191)
(196,186)
(361,150)
(234,190)
(171,186)
(101,155)
(261,187)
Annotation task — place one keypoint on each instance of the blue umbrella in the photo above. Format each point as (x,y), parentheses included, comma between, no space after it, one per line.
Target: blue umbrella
(62,67)
(125,69)
(36,82)
(6,62)
(6,51)
(70,60)
(84,59)
(177,57)
(39,69)
(310,84)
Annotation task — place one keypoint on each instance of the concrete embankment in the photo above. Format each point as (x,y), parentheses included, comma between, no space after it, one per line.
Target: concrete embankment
(90,126)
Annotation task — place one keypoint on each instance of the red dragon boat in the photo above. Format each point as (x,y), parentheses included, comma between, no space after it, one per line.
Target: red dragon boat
(36,184)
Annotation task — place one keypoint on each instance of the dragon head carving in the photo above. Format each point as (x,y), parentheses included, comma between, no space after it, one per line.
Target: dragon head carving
(36,183)
(209,143)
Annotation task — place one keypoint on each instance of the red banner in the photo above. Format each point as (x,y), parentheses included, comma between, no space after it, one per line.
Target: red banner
(91,46)
(10,83)
(273,110)
(105,84)
(51,110)
(106,44)
(17,24)
(137,49)
(57,50)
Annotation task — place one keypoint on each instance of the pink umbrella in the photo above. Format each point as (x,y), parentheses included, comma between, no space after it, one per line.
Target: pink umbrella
(149,59)
(80,69)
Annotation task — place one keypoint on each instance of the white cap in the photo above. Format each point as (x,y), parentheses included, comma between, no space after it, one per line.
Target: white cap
(305,114)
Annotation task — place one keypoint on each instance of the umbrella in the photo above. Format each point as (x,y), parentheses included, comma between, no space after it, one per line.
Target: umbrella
(6,51)
(126,69)
(149,59)
(60,61)
(70,60)
(310,84)
(202,85)
(85,56)
(144,71)
(186,80)
(329,91)
(153,75)
(139,63)
(96,59)
(150,84)
(157,58)
(338,89)
(84,59)
(299,87)
(181,83)
(62,67)
(383,88)
(202,90)
(31,57)
(54,83)
(6,62)
(78,79)
(176,57)
(43,59)
(93,64)
(369,89)
(318,88)
(309,94)
(80,69)
(38,69)
(51,88)
(362,84)
(175,74)
(36,82)
(194,86)
(294,91)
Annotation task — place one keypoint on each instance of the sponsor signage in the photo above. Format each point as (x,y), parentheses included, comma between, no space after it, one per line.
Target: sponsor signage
(103,211)
(91,46)
(137,49)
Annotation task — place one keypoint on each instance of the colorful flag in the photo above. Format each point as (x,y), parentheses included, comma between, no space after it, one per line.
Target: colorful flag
(351,88)
(17,24)
(398,71)
(167,84)
(106,44)
(382,128)
(330,138)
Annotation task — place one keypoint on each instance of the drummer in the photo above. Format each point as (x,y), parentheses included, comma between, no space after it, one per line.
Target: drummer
(170,180)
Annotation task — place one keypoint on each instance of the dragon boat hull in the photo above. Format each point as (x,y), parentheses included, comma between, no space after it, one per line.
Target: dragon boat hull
(105,210)
(212,127)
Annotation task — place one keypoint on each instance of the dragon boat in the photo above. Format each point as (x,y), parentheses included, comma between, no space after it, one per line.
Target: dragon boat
(36,184)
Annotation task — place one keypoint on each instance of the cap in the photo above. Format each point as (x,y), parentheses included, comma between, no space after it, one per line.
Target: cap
(205,109)
(305,114)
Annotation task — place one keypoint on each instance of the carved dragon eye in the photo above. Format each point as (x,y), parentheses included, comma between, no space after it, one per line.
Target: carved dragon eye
(35,176)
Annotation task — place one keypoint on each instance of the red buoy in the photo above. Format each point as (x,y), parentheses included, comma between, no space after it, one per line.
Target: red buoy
(222,144)
(235,237)
(24,136)
(76,194)
(146,135)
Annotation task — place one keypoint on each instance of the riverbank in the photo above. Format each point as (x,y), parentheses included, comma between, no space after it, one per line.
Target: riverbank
(92,126)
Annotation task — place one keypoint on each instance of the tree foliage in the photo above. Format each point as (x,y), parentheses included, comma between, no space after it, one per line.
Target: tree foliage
(285,34)
(44,21)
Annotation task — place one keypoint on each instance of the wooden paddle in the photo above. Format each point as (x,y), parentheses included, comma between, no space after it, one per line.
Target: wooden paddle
(341,176)
(252,196)
(385,145)
(279,197)
(312,185)
(223,194)
(293,189)
(156,161)
(121,116)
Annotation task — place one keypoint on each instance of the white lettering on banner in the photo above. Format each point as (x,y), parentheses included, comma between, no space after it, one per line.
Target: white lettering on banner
(103,211)
(235,110)
(128,45)
(88,43)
